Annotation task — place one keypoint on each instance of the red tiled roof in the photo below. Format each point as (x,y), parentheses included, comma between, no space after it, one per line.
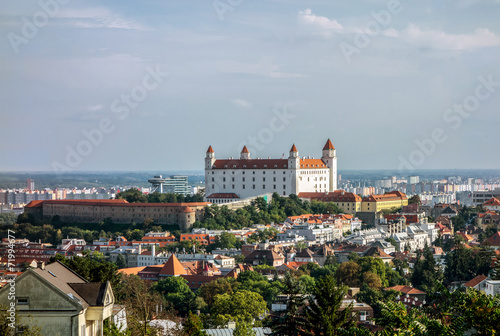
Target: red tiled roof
(223,195)
(406,290)
(186,209)
(476,281)
(244,150)
(210,149)
(173,267)
(293,149)
(328,145)
(121,202)
(389,196)
(250,164)
(492,201)
(494,240)
(312,163)
(34,204)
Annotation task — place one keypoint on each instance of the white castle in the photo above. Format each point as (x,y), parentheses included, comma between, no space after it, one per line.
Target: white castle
(230,180)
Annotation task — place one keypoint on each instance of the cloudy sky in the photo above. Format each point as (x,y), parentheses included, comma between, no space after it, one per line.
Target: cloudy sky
(149,85)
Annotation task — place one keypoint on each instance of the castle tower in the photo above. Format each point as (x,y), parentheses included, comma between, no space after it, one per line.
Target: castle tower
(210,158)
(245,154)
(293,158)
(330,158)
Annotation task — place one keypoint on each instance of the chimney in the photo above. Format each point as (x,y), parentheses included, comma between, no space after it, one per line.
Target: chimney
(139,249)
(40,265)
(153,250)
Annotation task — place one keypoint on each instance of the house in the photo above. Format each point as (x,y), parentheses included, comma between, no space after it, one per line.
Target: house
(264,257)
(478,283)
(449,212)
(492,204)
(494,241)
(492,287)
(407,292)
(60,302)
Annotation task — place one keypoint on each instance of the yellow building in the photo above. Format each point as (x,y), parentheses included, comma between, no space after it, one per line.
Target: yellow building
(387,201)
(350,203)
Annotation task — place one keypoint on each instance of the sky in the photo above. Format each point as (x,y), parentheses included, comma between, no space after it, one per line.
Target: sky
(149,85)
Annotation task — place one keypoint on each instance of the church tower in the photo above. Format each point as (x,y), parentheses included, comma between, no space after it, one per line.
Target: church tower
(330,158)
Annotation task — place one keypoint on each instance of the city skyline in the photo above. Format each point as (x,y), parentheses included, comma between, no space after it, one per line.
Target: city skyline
(148,87)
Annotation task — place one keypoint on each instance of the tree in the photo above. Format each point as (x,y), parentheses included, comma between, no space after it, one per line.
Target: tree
(414,199)
(426,274)
(243,328)
(142,304)
(348,273)
(132,195)
(290,321)
(325,314)
(241,305)
(120,261)
(213,288)
(92,267)
(176,291)
(193,326)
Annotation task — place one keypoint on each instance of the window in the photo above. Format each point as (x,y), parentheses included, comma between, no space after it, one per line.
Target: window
(253,186)
(263,179)
(243,186)
(284,186)
(243,179)
(213,186)
(223,186)
(274,186)
(213,179)
(264,171)
(253,179)
(263,186)
(232,179)
(22,301)
(284,179)
(224,179)
(233,186)
(274,179)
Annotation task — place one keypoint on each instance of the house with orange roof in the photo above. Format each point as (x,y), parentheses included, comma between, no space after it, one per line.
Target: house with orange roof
(409,291)
(493,204)
(494,240)
(349,202)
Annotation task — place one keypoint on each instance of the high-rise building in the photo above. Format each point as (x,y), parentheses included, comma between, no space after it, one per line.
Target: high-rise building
(30,184)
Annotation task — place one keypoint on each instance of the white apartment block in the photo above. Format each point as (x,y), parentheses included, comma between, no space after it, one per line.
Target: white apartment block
(230,180)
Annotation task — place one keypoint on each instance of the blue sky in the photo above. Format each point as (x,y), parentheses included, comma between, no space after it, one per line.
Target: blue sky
(376,77)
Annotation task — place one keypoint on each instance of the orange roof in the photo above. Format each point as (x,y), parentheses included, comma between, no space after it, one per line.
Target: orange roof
(312,163)
(121,202)
(328,145)
(294,149)
(131,270)
(186,209)
(492,201)
(494,240)
(406,290)
(173,267)
(210,149)
(245,150)
(34,204)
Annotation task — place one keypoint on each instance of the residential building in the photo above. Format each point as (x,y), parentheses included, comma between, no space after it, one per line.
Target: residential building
(493,204)
(60,302)
(387,201)
(349,202)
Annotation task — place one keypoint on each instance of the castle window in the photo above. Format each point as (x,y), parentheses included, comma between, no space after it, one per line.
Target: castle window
(284,172)
(225,166)
(274,186)
(223,186)
(253,186)
(234,166)
(253,172)
(265,166)
(212,179)
(284,167)
(243,186)
(224,179)
(275,166)
(253,179)
(243,179)
(263,179)
(274,179)
(233,186)
(284,179)
(284,186)
(255,166)
(263,172)
(263,186)
(232,179)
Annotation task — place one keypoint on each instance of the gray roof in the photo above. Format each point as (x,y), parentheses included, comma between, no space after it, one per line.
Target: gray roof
(229,332)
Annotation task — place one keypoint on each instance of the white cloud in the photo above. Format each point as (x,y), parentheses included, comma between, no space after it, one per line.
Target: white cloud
(438,39)
(322,22)
(240,103)
(97,17)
